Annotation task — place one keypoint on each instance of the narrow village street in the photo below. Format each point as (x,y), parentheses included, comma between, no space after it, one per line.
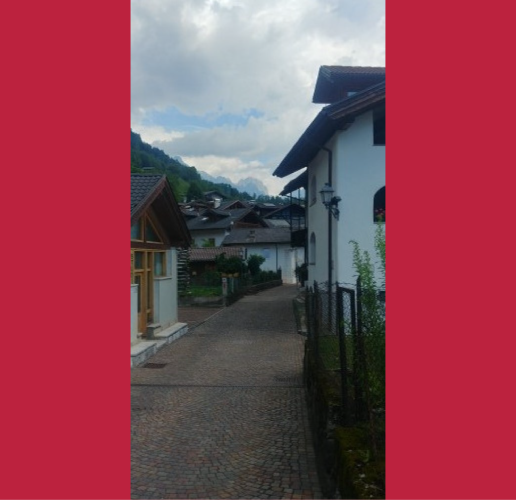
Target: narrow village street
(221,412)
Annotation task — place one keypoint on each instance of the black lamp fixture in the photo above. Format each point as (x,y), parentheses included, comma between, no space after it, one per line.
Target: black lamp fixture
(329,201)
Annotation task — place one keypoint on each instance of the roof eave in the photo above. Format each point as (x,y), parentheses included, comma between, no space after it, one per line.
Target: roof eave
(338,116)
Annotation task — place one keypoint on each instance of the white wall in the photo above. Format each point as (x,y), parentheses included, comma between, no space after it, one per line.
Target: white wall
(318,215)
(362,176)
(282,256)
(200,236)
(358,172)
(290,258)
(273,260)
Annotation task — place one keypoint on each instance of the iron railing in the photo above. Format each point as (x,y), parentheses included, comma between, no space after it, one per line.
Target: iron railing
(346,338)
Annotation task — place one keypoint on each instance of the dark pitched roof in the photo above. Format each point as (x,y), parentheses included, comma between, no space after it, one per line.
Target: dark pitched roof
(150,190)
(209,254)
(284,212)
(259,235)
(233,203)
(190,214)
(266,206)
(219,219)
(214,194)
(337,116)
(143,187)
(301,181)
(277,223)
(336,82)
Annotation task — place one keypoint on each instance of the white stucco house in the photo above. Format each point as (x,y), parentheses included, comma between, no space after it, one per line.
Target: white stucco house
(211,225)
(157,230)
(343,147)
(272,243)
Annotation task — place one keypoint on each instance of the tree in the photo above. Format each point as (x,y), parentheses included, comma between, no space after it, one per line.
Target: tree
(229,265)
(254,262)
(194,191)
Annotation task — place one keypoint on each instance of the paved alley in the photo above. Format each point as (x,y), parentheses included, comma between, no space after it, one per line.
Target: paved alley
(221,412)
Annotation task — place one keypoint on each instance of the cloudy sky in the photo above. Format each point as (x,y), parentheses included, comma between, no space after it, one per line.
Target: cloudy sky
(228,84)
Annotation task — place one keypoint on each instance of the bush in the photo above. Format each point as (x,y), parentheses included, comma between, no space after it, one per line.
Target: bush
(254,262)
(209,278)
(205,291)
(229,265)
(302,273)
(265,276)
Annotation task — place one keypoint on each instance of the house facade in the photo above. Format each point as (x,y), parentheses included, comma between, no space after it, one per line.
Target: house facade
(274,245)
(157,230)
(203,260)
(344,147)
(210,226)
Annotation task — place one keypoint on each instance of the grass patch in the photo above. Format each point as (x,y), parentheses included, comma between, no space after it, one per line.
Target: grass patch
(329,351)
(205,291)
(359,476)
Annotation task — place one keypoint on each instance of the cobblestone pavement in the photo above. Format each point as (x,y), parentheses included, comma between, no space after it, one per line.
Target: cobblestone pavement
(222,414)
(194,316)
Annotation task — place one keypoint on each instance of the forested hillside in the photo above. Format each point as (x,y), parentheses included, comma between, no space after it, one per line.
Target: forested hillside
(185,181)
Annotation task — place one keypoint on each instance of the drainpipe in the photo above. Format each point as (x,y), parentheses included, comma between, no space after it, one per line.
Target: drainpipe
(291,228)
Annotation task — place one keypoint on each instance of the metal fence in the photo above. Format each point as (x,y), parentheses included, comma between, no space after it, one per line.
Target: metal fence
(346,339)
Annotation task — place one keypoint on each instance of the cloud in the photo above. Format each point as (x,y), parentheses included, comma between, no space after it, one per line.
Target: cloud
(237,169)
(260,138)
(210,58)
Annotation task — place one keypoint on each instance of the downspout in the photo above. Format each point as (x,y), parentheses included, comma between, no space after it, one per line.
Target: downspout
(291,229)
(306,223)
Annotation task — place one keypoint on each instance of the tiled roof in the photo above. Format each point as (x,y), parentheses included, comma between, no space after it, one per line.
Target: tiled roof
(142,187)
(335,82)
(209,254)
(154,190)
(228,204)
(258,235)
(301,181)
(354,70)
(214,194)
(224,219)
(277,223)
(284,212)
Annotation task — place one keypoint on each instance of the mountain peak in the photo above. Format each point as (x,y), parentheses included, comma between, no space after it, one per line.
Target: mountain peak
(249,185)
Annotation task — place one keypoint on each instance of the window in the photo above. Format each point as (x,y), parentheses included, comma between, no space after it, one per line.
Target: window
(379,127)
(379,206)
(313,190)
(138,260)
(312,249)
(159,263)
(266,253)
(136,230)
(208,242)
(144,227)
(150,233)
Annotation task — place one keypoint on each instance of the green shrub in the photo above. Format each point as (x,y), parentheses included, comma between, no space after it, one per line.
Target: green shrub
(229,265)
(254,262)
